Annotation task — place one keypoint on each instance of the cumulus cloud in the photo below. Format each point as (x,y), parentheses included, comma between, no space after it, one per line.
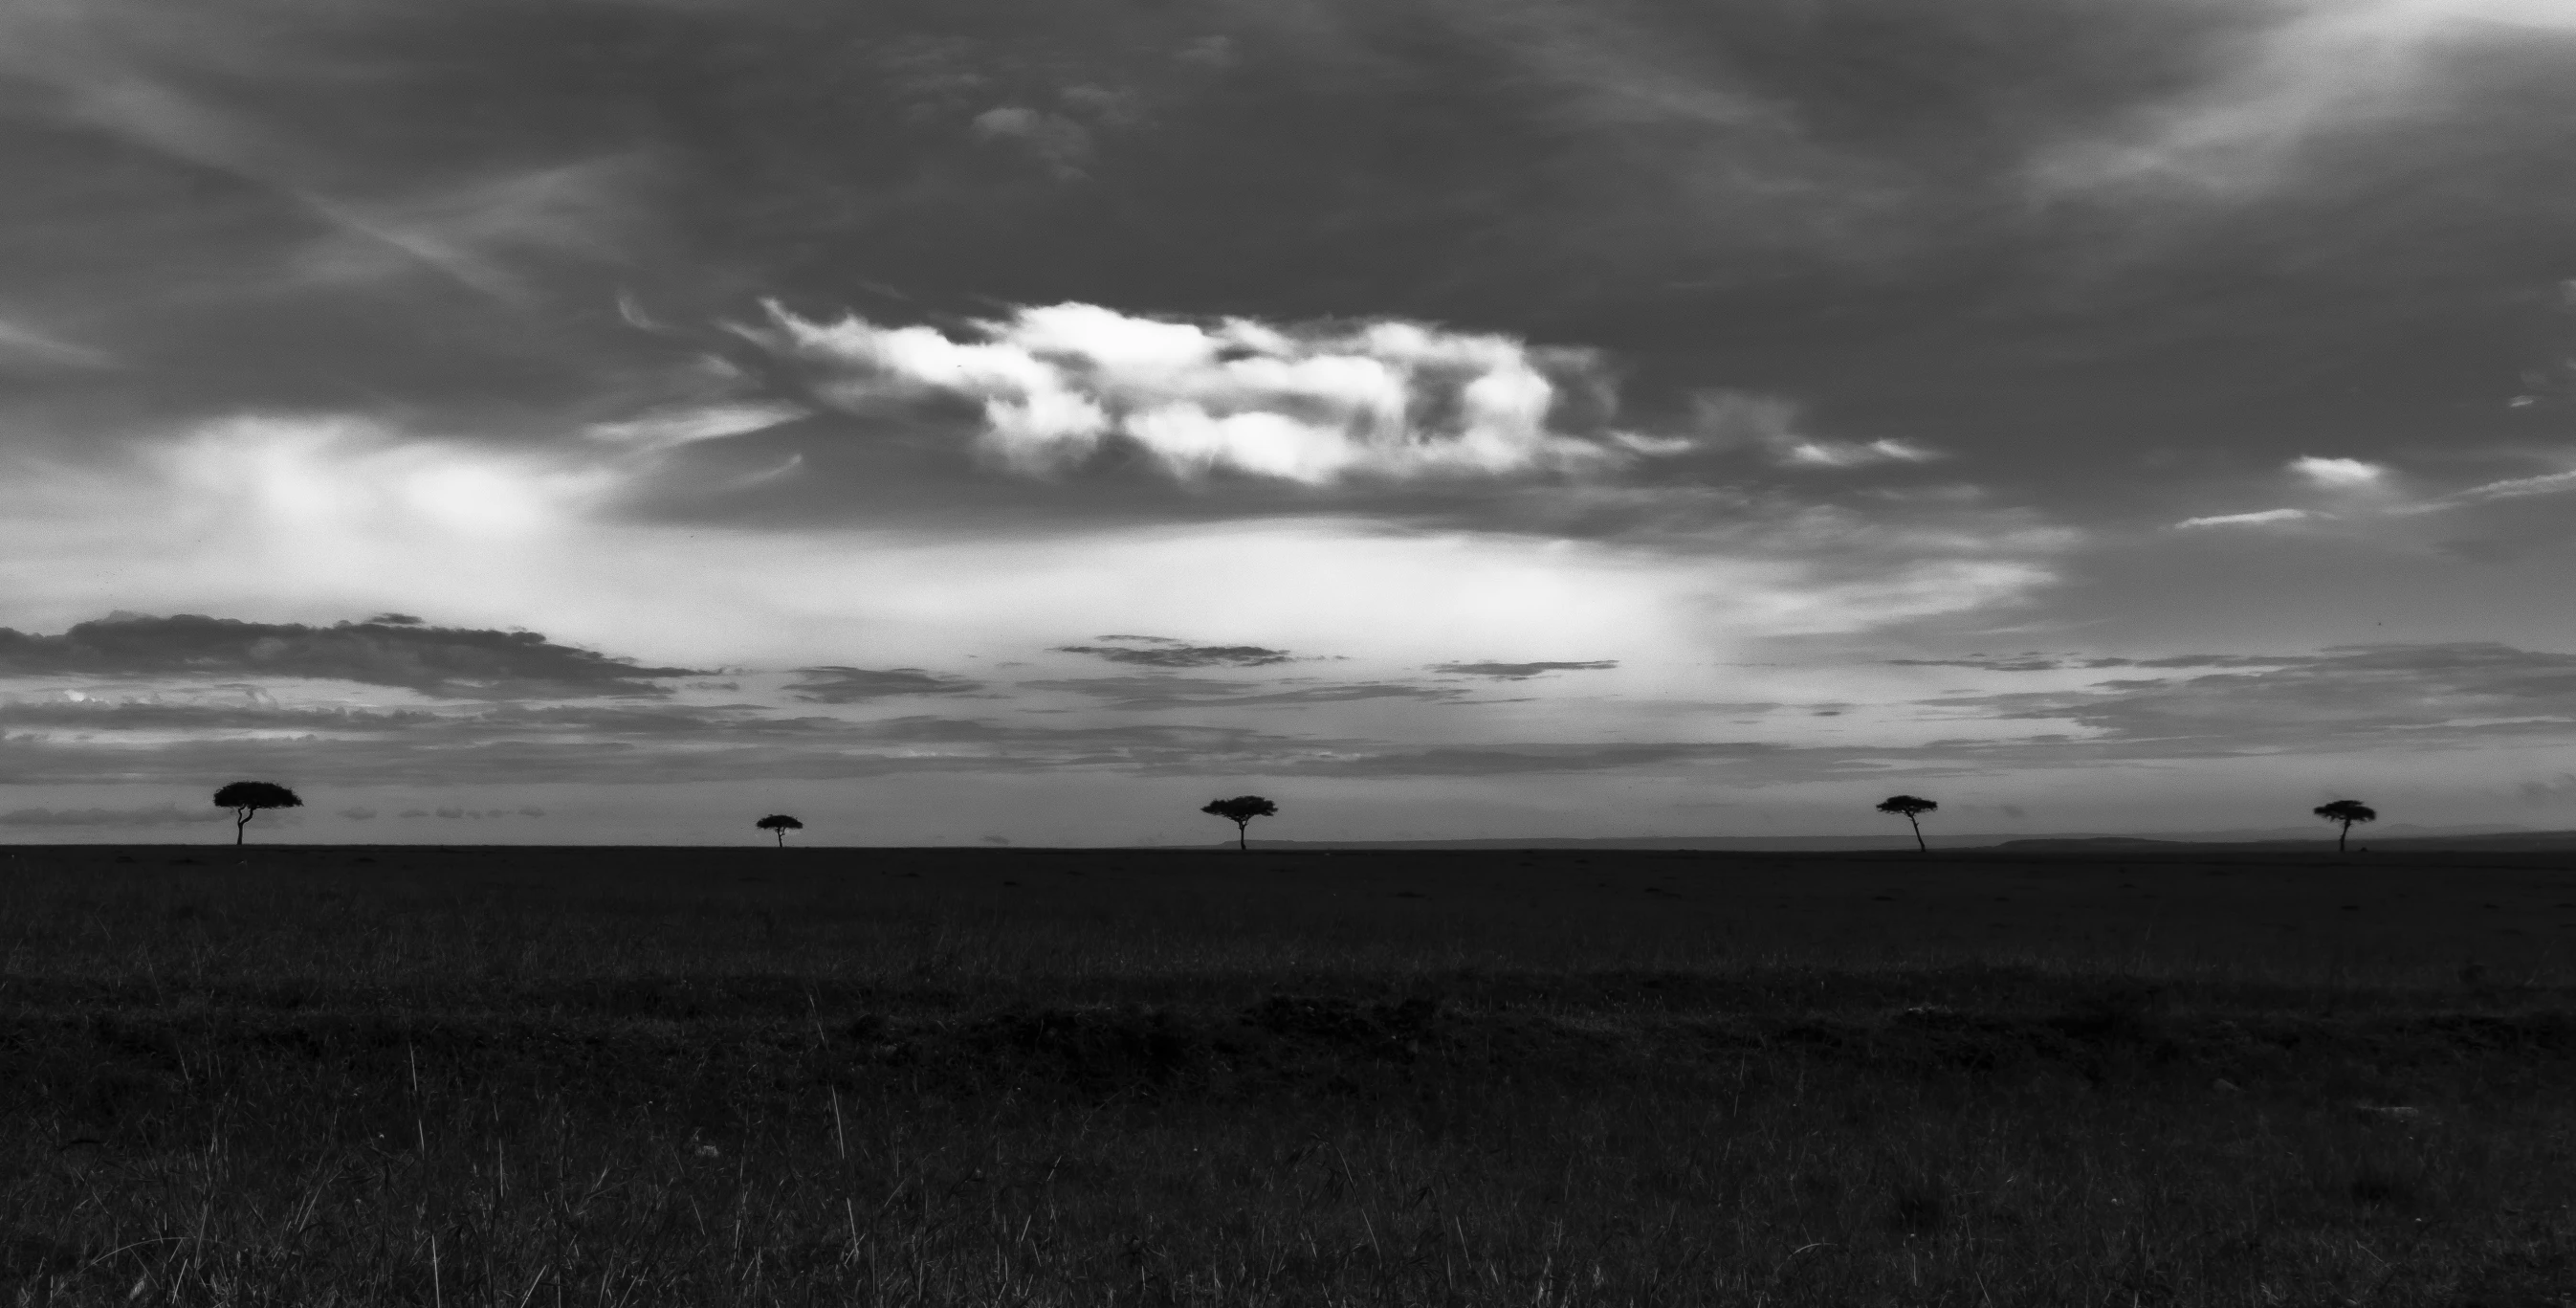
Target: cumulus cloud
(1520,671)
(838,685)
(2337,473)
(2263,519)
(1057,386)
(444,661)
(160,815)
(1164,652)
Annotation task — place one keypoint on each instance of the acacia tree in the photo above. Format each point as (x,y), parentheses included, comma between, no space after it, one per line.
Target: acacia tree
(1909,807)
(2347,812)
(247,798)
(1240,811)
(780,823)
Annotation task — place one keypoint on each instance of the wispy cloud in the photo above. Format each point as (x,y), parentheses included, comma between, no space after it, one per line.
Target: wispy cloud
(2343,698)
(1854,454)
(671,428)
(1153,693)
(442,661)
(1521,671)
(2264,518)
(2515,488)
(1164,652)
(2323,68)
(22,346)
(840,685)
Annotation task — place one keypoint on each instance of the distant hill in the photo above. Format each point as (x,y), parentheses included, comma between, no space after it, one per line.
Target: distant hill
(2393,835)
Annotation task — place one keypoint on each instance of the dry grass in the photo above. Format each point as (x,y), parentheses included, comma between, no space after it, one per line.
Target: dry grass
(645,1077)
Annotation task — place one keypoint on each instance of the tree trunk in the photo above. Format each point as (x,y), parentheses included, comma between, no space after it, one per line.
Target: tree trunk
(2342,836)
(782,838)
(1243,835)
(240,821)
(1918,833)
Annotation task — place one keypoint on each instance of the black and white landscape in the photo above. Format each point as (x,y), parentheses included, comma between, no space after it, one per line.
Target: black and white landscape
(1287,651)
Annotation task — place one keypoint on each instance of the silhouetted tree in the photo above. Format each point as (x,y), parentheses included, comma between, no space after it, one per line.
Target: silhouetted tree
(2347,812)
(247,798)
(780,823)
(1240,811)
(1908,807)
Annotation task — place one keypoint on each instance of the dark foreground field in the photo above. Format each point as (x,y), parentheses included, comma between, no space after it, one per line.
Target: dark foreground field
(533,1076)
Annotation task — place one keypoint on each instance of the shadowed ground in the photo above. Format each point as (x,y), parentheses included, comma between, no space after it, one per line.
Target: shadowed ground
(652,1076)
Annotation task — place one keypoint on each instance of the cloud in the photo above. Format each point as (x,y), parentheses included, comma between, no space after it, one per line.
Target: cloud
(1059,387)
(838,685)
(2035,661)
(442,661)
(1520,671)
(1725,419)
(22,346)
(2265,518)
(1854,454)
(2560,789)
(2327,68)
(671,428)
(2342,698)
(1061,143)
(2338,473)
(160,815)
(474,231)
(1163,652)
(2515,488)
(357,813)
(1134,694)
(454,812)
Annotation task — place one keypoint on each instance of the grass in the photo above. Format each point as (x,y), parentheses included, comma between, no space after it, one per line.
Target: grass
(456,1077)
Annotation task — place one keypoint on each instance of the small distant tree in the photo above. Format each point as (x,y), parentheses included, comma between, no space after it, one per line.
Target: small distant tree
(1240,811)
(1909,808)
(2347,812)
(247,798)
(780,823)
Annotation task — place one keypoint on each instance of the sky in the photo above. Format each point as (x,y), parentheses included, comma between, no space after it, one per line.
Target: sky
(1004,421)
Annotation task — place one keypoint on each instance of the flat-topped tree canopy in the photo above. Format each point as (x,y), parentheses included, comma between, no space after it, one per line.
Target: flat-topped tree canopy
(1910,808)
(247,798)
(2347,812)
(781,824)
(1240,811)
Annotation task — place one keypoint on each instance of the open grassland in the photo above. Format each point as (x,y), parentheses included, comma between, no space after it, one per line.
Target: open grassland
(630,1076)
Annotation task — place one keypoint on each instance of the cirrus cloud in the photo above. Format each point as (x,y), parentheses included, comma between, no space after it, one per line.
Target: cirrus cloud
(2265,518)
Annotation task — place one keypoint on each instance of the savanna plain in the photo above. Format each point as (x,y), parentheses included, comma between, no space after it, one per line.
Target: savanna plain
(485,1076)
